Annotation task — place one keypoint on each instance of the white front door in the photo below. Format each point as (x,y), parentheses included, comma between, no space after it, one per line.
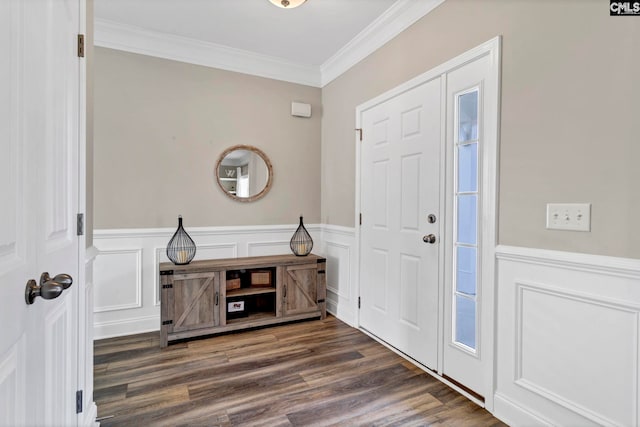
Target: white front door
(400,188)
(39,143)
(427,196)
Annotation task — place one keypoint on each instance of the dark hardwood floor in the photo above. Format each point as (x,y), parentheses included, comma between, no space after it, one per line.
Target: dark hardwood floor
(315,373)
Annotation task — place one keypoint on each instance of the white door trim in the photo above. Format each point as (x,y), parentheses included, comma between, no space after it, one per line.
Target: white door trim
(489,208)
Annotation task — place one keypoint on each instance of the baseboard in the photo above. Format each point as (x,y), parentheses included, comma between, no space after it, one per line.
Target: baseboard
(126,326)
(89,418)
(344,315)
(514,414)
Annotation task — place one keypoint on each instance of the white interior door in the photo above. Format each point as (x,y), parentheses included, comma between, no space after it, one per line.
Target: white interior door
(400,188)
(39,141)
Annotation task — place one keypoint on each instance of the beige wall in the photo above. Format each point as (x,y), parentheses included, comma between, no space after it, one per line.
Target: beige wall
(570,111)
(160,126)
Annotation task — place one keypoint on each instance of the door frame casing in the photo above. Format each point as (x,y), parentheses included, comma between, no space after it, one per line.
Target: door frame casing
(489,207)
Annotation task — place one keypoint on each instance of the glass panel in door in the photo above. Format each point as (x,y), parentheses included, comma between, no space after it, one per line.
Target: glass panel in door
(466,212)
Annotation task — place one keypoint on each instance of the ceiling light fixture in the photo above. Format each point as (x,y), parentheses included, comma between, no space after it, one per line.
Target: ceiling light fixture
(287,4)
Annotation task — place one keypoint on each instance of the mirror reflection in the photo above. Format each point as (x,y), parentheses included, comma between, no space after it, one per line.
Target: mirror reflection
(244,173)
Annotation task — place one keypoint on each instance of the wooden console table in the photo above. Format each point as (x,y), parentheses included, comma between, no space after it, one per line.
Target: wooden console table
(213,296)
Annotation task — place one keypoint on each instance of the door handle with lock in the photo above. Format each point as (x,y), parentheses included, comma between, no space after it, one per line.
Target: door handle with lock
(48,288)
(429,238)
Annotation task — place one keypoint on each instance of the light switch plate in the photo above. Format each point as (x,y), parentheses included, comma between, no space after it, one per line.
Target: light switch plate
(569,216)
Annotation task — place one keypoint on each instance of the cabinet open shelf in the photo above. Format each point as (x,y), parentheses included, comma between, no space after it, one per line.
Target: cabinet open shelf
(250,291)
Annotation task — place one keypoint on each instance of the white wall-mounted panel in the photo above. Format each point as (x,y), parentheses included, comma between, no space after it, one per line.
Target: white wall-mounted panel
(586,331)
(118,277)
(338,268)
(268,248)
(568,338)
(215,251)
(338,246)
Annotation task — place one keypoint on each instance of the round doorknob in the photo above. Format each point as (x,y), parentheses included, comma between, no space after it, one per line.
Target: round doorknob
(48,288)
(429,238)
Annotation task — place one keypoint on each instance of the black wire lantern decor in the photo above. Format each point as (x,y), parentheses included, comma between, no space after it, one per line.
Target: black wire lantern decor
(181,248)
(301,242)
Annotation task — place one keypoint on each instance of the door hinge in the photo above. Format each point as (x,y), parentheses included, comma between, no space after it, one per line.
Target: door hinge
(80,225)
(80,45)
(79,401)
(360,219)
(168,286)
(358,303)
(167,322)
(360,130)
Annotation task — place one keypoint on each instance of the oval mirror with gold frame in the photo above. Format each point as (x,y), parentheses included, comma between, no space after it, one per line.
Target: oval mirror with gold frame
(244,173)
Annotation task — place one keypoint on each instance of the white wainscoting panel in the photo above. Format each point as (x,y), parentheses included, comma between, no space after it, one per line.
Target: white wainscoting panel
(126,280)
(268,248)
(338,245)
(568,337)
(120,275)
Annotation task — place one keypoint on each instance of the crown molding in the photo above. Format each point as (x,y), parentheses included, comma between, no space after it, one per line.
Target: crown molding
(134,39)
(392,22)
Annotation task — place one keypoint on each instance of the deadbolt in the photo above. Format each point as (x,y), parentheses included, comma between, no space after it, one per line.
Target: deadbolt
(429,238)
(431,219)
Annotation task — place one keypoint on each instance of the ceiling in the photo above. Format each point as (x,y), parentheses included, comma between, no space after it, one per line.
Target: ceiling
(309,34)
(308,37)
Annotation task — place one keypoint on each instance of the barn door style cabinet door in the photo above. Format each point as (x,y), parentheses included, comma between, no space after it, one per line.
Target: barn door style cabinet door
(189,302)
(301,291)
(214,296)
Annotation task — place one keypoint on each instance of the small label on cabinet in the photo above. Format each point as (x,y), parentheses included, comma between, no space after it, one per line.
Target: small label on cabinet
(235,306)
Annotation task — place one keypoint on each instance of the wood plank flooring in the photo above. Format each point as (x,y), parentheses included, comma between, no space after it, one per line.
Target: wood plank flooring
(315,373)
